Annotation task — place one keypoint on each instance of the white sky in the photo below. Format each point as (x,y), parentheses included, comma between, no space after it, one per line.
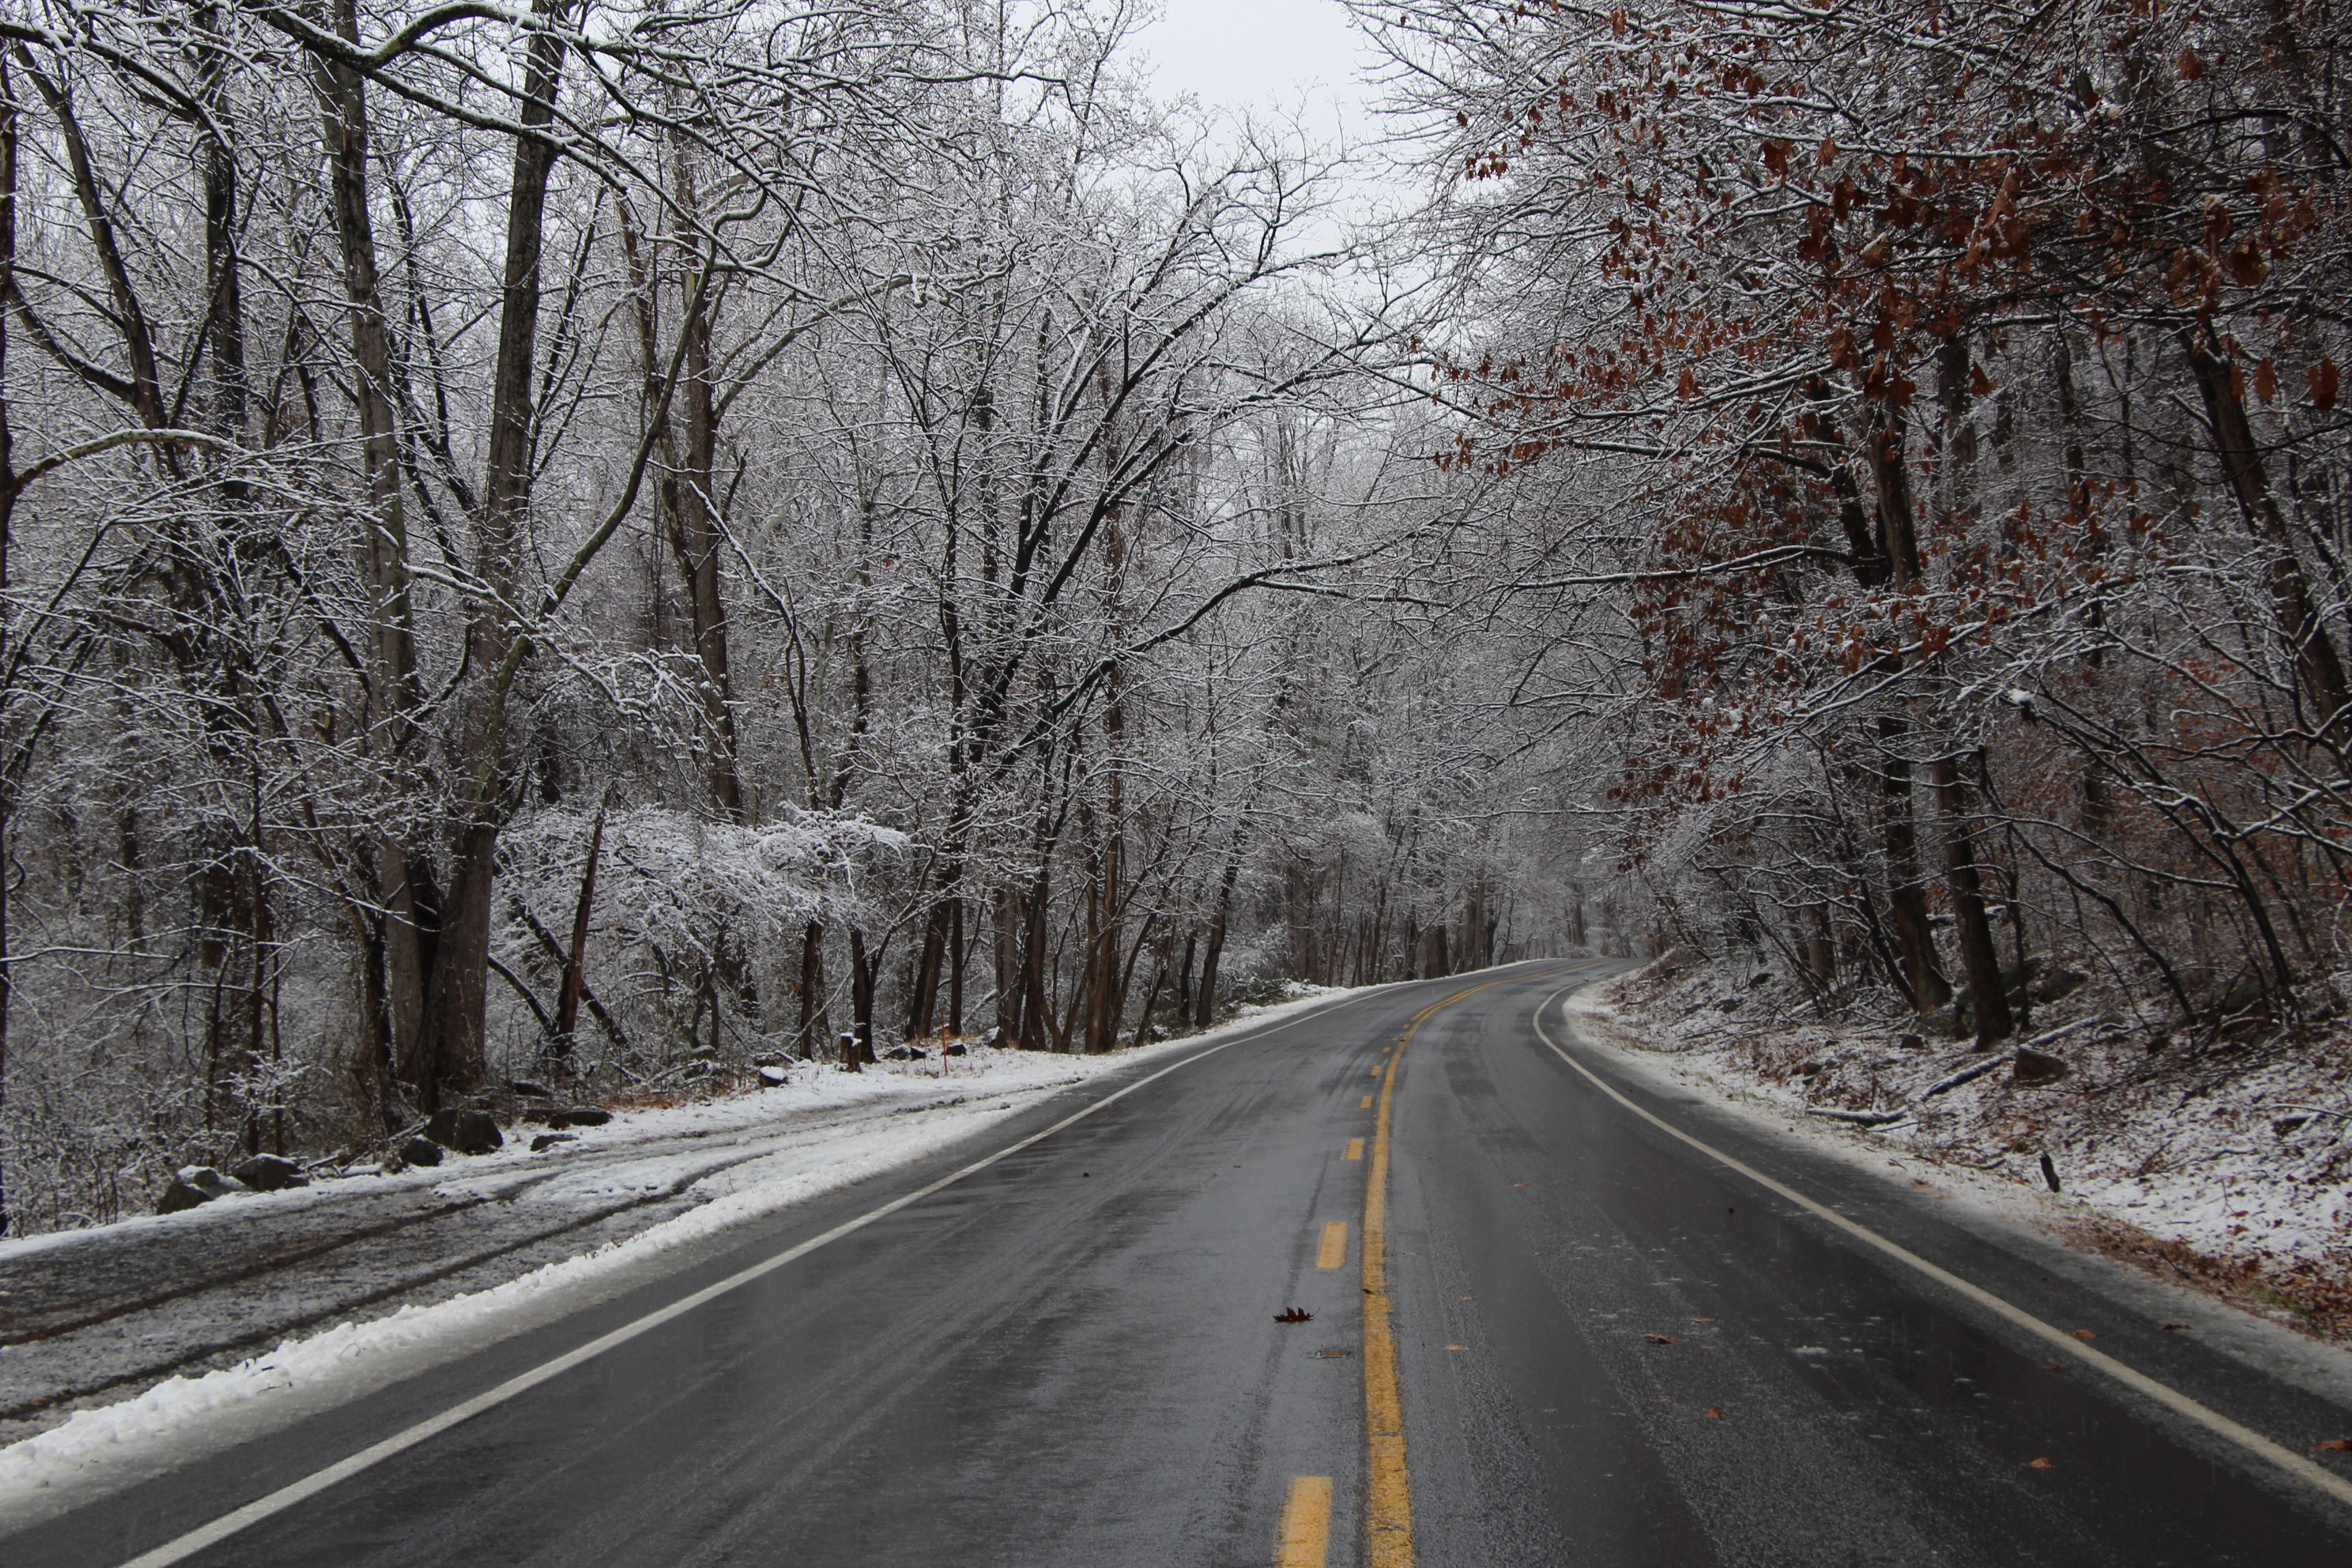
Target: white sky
(1271,55)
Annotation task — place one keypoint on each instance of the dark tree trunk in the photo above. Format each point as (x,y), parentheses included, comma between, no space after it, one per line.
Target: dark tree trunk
(1980,961)
(2319,669)
(451,1059)
(815,1022)
(1205,1005)
(575,965)
(864,970)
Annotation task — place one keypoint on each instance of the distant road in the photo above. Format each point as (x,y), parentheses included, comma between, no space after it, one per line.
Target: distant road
(1556,1317)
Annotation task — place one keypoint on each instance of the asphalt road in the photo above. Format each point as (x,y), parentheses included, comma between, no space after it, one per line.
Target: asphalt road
(1577,1339)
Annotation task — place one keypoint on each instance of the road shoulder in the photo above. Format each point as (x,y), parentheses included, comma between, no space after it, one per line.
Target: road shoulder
(2293,1390)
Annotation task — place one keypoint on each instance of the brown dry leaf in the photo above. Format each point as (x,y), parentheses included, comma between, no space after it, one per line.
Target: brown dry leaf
(2038,1465)
(1714,1412)
(1662,1339)
(2170,1328)
(1518,1183)
(2335,1446)
(2084,1334)
(1457,1347)
(1702,1320)
(1296,1315)
(2051,1366)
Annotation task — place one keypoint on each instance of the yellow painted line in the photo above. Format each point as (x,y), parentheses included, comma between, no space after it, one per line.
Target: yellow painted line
(1364,1104)
(1306,1524)
(1355,1150)
(182,1547)
(1387,1487)
(2140,1382)
(1333,1252)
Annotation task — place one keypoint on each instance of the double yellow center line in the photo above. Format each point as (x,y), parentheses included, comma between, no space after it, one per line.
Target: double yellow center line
(1388,1496)
(1306,1528)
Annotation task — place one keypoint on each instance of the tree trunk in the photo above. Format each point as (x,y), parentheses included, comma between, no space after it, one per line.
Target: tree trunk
(1898,542)
(406,885)
(1206,1006)
(1980,961)
(9,488)
(694,531)
(863,972)
(815,1022)
(575,965)
(452,1055)
(2319,671)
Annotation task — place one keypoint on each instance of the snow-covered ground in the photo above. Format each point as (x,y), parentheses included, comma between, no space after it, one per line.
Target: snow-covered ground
(724,1162)
(2226,1167)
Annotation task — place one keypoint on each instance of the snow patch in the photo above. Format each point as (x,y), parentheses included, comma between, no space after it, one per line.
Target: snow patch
(99,1451)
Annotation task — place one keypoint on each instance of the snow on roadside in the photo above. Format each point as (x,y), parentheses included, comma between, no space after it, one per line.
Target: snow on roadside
(95,1450)
(2228,1171)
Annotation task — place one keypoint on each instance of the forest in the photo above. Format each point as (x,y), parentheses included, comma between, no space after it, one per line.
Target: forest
(605,544)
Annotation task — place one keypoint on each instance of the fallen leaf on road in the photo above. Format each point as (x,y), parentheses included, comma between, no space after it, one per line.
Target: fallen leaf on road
(1662,1339)
(2335,1446)
(1702,1320)
(2051,1366)
(1457,1347)
(2084,1334)
(2039,1464)
(1518,1183)
(1714,1413)
(2171,1328)
(1296,1315)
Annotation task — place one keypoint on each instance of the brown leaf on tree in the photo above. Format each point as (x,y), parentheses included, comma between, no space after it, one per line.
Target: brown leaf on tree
(2265,380)
(2322,385)
(1296,1315)
(2188,68)
(1662,1339)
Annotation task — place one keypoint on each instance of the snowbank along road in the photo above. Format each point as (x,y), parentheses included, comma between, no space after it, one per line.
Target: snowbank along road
(1539,1312)
(86,1314)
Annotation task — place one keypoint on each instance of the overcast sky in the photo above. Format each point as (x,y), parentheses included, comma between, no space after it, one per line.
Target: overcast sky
(1263,54)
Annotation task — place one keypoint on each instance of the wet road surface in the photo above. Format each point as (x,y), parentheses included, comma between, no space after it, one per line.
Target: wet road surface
(1544,1330)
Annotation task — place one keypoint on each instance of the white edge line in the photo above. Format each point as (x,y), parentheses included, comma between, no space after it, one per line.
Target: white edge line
(184,1546)
(2213,1421)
